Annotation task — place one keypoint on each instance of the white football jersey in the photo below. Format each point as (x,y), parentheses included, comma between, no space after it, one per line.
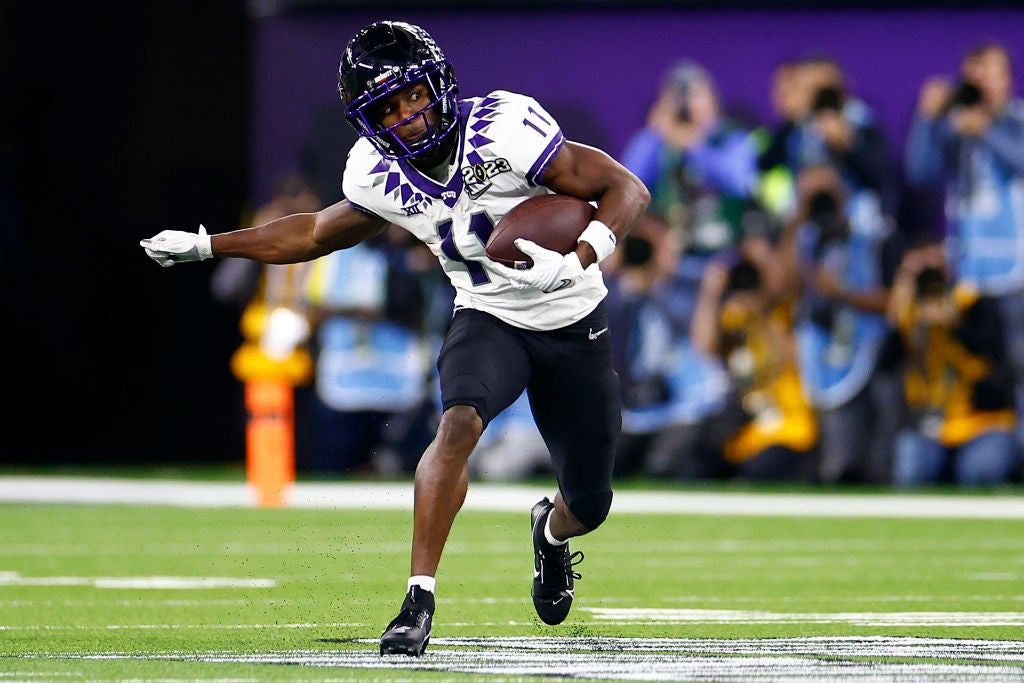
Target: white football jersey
(507,141)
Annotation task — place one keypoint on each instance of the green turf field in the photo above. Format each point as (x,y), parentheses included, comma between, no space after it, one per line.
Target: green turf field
(134,592)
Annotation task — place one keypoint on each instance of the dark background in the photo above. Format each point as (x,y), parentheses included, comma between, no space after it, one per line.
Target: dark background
(118,120)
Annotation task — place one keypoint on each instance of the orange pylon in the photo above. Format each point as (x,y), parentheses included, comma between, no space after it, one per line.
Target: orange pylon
(270,440)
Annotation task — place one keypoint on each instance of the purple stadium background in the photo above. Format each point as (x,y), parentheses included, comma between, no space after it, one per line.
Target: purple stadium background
(598,70)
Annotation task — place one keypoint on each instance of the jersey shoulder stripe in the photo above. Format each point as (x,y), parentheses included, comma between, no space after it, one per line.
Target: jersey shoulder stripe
(514,127)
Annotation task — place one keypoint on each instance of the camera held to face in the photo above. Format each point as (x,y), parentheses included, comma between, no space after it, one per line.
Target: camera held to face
(681,100)
(683,113)
(829,98)
(965,94)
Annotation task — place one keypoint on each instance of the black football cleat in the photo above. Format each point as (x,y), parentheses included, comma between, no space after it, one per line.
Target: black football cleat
(553,573)
(409,632)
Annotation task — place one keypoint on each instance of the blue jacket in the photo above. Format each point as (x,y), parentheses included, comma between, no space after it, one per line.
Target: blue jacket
(702,191)
(838,345)
(984,184)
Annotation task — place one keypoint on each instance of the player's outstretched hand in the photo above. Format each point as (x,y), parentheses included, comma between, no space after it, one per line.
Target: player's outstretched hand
(550,272)
(175,246)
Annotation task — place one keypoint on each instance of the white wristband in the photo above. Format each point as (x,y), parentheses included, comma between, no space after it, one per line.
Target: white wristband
(203,245)
(600,237)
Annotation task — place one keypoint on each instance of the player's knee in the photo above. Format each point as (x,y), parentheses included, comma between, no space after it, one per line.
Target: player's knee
(591,509)
(460,429)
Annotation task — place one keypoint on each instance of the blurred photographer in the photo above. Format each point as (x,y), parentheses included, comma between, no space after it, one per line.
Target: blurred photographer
(837,268)
(767,430)
(699,165)
(957,381)
(971,104)
(968,139)
(828,125)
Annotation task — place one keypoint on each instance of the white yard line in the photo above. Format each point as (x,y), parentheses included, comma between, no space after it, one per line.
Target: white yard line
(506,497)
(631,617)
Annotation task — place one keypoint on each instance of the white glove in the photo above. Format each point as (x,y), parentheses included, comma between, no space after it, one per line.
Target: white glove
(174,246)
(550,272)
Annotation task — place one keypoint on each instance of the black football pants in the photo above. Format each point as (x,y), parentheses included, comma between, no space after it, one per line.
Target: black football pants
(573,392)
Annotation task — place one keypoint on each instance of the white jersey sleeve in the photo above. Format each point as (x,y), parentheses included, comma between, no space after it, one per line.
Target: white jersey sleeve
(506,143)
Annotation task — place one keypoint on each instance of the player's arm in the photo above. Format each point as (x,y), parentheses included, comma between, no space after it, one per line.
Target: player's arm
(300,236)
(591,174)
(291,239)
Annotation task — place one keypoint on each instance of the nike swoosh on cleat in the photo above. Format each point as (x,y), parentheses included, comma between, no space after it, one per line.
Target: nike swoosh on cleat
(594,335)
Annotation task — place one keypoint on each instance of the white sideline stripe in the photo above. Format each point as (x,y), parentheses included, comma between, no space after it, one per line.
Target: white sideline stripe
(136,582)
(711,616)
(505,498)
(844,659)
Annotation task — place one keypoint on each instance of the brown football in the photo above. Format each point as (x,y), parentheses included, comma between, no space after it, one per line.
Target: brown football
(554,221)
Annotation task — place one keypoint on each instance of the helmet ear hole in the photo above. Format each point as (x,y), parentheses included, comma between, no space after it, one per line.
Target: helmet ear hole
(382,59)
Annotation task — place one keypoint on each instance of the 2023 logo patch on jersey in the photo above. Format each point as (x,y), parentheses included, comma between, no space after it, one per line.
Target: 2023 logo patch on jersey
(477,178)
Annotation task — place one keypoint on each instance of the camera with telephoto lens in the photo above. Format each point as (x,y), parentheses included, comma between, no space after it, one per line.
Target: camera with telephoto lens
(829,98)
(636,251)
(825,210)
(682,107)
(680,81)
(930,283)
(681,98)
(965,94)
(823,204)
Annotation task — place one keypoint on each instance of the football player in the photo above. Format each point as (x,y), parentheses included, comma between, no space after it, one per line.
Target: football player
(447,169)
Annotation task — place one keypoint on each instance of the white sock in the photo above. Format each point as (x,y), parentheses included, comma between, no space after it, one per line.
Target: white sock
(427,583)
(549,536)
